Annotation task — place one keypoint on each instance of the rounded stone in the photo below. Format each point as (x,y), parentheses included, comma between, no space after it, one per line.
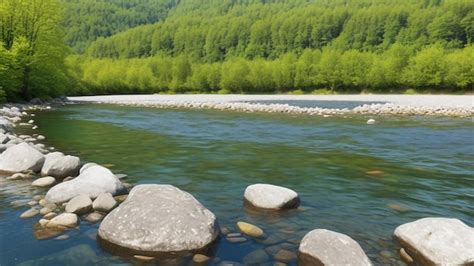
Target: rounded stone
(250,229)
(64,220)
(266,196)
(21,157)
(92,181)
(437,241)
(284,255)
(324,247)
(29,213)
(104,202)
(200,258)
(94,217)
(158,219)
(44,182)
(80,204)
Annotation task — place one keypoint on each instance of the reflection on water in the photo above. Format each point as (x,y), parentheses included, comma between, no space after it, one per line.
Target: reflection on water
(352,178)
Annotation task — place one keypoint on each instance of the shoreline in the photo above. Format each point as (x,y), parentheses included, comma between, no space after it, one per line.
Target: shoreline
(429,105)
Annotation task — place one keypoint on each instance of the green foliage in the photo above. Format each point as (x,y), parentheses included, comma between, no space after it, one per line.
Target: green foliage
(410,92)
(87,20)
(32,51)
(317,71)
(215,30)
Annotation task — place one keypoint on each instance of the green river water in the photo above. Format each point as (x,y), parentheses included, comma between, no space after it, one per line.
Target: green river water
(424,169)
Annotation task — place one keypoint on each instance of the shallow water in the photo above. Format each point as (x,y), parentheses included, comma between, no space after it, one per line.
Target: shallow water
(426,164)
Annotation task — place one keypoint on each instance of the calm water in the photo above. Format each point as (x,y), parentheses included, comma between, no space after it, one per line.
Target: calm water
(427,165)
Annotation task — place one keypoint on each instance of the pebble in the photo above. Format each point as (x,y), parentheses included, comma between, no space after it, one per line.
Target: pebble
(45,211)
(143,258)
(250,229)
(234,234)
(386,254)
(33,203)
(29,213)
(236,240)
(62,237)
(50,215)
(405,257)
(200,258)
(285,256)
(94,217)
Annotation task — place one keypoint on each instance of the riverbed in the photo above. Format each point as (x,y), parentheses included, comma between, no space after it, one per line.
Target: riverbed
(358,179)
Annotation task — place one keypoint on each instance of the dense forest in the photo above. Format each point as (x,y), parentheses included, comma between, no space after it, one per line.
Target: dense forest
(235,46)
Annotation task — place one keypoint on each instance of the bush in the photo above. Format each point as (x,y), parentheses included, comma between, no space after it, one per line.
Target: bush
(410,92)
(323,92)
(296,92)
(224,91)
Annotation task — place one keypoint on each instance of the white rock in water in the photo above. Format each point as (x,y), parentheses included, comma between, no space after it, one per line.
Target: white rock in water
(44,182)
(93,181)
(104,202)
(159,218)
(437,241)
(21,157)
(266,196)
(79,205)
(324,247)
(371,121)
(64,220)
(60,166)
(31,121)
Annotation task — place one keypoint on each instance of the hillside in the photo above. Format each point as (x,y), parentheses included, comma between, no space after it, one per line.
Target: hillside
(86,20)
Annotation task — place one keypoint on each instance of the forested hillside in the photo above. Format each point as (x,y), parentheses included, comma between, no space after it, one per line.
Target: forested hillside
(244,46)
(86,20)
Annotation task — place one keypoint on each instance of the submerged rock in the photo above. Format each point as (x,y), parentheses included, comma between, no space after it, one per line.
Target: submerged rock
(58,165)
(21,157)
(29,213)
(92,181)
(324,247)
(80,204)
(266,196)
(437,241)
(159,219)
(250,229)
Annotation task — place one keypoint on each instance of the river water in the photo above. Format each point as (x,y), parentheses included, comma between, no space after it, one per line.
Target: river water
(357,179)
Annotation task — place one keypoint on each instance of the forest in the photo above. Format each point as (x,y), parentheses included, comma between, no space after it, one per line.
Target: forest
(235,46)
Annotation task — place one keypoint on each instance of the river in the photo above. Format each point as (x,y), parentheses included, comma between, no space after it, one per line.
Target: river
(357,179)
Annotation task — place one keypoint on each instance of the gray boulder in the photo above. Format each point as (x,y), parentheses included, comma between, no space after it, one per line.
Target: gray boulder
(93,181)
(159,219)
(21,157)
(266,196)
(437,241)
(79,205)
(60,166)
(324,247)
(5,125)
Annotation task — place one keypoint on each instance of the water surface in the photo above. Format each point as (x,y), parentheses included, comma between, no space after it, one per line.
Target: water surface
(426,164)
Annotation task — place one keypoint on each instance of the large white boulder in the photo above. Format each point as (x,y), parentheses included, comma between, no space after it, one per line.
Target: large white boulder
(266,196)
(60,166)
(159,219)
(324,247)
(92,181)
(437,241)
(21,157)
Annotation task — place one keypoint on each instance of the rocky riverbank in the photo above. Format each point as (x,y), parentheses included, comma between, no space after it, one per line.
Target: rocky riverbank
(429,105)
(160,221)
